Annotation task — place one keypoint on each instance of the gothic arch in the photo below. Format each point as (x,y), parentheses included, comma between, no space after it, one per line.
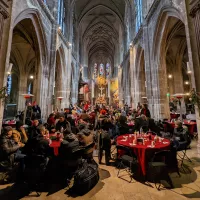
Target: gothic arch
(165,14)
(33,15)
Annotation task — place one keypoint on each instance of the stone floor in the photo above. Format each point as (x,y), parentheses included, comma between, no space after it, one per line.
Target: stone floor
(112,188)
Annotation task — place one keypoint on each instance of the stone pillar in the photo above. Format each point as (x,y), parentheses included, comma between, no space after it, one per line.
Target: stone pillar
(151,99)
(132,60)
(22,90)
(5,10)
(193,8)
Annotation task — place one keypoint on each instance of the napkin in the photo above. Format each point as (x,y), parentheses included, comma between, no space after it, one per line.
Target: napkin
(132,144)
(165,142)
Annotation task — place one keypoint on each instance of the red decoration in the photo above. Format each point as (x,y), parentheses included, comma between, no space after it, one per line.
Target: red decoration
(86,89)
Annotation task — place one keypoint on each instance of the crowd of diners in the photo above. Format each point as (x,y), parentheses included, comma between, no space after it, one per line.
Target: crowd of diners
(81,126)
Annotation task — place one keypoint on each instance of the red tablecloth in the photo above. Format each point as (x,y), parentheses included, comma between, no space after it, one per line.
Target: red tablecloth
(191,125)
(55,145)
(174,116)
(144,153)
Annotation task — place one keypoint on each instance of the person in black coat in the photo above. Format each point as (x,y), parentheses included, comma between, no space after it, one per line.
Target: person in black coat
(62,124)
(104,142)
(145,111)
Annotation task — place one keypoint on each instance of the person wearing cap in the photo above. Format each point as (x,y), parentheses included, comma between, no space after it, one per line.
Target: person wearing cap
(9,147)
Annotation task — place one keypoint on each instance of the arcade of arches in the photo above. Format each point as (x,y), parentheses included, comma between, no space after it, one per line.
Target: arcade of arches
(123,51)
(143,49)
(111,52)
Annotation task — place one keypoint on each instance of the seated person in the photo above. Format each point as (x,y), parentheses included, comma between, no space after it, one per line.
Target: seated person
(41,144)
(51,120)
(33,131)
(181,136)
(9,148)
(67,153)
(86,138)
(122,125)
(19,135)
(62,124)
(84,116)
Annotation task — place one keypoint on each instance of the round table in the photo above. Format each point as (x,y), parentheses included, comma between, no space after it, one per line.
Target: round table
(55,144)
(145,152)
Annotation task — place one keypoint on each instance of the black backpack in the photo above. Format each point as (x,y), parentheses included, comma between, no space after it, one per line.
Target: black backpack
(86,177)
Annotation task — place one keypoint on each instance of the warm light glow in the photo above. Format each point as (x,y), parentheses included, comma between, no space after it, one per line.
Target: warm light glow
(187,94)
(70,44)
(186,83)
(59,28)
(8,73)
(60,98)
(31,77)
(27,96)
(169,76)
(189,71)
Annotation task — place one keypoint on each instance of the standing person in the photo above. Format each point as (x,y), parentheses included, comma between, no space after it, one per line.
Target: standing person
(36,110)
(145,111)
(104,142)
(126,108)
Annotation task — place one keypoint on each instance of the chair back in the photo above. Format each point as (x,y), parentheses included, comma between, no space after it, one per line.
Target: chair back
(161,156)
(124,151)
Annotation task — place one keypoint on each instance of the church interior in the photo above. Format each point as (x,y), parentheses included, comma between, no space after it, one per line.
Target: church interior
(120,66)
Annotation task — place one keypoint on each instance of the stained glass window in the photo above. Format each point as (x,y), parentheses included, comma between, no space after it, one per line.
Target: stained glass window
(9,84)
(95,70)
(138,7)
(61,14)
(107,70)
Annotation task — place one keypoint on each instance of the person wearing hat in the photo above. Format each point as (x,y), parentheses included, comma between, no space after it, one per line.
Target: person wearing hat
(9,147)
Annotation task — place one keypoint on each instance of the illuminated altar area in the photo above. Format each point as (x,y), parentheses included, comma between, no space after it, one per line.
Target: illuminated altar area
(104,89)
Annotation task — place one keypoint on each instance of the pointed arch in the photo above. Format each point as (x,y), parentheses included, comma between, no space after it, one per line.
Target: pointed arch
(34,16)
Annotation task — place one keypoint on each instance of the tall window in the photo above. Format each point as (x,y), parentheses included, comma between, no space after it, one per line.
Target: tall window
(61,14)
(138,12)
(9,84)
(29,88)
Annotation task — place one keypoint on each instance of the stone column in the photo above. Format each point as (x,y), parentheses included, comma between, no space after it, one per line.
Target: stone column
(22,90)
(5,10)
(193,8)
(148,61)
(132,60)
